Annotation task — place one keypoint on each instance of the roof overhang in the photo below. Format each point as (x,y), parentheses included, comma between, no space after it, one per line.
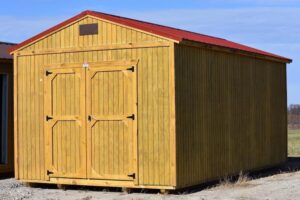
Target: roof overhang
(236,51)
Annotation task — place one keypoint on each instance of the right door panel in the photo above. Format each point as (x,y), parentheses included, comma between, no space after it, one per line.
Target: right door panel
(111,109)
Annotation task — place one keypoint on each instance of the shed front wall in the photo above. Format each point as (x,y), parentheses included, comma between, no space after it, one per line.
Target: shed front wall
(156,160)
(230,114)
(6,67)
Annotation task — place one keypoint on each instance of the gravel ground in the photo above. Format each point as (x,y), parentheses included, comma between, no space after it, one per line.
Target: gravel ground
(283,183)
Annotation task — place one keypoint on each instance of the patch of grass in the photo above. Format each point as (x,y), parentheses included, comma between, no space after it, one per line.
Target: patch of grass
(229,182)
(294,142)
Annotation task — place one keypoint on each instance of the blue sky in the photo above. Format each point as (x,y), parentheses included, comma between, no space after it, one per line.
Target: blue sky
(271,25)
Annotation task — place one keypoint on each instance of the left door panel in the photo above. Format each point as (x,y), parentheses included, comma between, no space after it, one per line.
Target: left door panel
(65,123)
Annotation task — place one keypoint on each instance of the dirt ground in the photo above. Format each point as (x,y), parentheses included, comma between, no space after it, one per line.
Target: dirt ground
(277,183)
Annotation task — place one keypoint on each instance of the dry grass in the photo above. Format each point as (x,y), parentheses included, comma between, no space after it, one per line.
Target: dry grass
(230,182)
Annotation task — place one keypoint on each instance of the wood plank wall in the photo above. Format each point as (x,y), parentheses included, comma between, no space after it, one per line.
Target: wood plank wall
(230,114)
(154,146)
(109,34)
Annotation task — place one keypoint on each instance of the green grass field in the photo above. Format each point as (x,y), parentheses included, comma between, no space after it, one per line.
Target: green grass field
(294,142)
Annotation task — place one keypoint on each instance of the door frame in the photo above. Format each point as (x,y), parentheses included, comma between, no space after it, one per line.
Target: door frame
(108,64)
(116,66)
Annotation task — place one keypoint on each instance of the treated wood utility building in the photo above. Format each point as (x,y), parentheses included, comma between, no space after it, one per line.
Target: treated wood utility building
(6,110)
(104,100)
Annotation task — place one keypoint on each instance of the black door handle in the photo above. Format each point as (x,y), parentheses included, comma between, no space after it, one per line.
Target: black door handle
(131,117)
(49,172)
(48,118)
(131,175)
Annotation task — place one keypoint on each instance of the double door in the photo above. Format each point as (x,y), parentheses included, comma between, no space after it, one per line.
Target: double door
(90,121)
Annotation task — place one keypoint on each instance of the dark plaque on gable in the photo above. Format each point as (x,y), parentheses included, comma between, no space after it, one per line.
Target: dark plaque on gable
(88,29)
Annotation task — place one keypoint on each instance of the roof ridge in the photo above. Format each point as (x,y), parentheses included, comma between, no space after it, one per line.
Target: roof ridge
(155,24)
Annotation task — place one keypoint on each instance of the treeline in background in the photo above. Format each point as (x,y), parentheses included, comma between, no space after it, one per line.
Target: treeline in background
(294,116)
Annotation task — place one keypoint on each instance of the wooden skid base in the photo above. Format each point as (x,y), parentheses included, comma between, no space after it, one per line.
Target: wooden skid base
(61,187)
(127,185)
(164,191)
(31,185)
(126,190)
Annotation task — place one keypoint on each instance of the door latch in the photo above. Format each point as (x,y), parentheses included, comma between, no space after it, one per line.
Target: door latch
(49,172)
(48,73)
(48,118)
(131,175)
(85,65)
(131,117)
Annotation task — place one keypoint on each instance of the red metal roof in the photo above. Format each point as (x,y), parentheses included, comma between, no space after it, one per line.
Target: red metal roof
(164,31)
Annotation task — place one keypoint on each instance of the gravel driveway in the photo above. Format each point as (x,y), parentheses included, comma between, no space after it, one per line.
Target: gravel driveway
(281,183)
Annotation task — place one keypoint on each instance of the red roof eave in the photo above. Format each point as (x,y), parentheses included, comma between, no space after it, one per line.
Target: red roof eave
(250,50)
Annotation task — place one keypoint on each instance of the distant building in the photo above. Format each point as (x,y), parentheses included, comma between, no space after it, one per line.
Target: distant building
(6,110)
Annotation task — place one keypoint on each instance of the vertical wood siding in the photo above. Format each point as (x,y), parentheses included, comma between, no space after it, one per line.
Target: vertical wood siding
(154,154)
(30,119)
(230,114)
(108,34)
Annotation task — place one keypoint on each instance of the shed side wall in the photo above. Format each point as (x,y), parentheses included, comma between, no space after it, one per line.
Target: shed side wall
(154,148)
(230,114)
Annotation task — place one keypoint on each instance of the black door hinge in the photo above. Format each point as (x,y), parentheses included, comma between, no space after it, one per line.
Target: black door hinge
(49,172)
(90,118)
(48,118)
(131,69)
(131,175)
(48,73)
(131,117)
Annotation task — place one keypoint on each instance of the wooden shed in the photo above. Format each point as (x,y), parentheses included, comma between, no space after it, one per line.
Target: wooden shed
(103,100)
(6,111)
